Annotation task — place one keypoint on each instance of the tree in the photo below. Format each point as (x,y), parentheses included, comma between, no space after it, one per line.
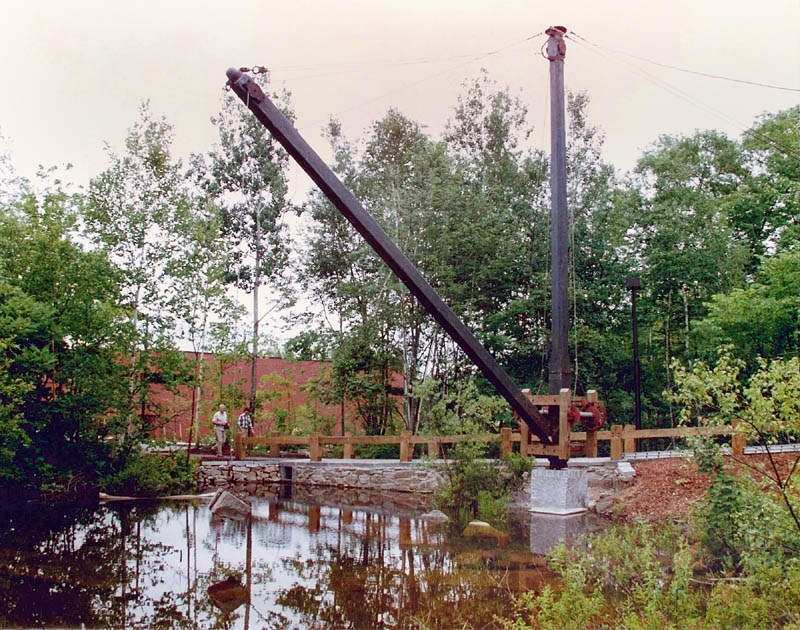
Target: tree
(689,249)
(134,214)
(761,320)
(200,297)
(60,336)
(246,175)
(765,211)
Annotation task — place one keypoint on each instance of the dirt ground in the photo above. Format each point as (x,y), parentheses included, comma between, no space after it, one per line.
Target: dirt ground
(667,489)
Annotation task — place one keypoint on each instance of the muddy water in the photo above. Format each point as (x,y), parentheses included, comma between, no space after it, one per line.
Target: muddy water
(312,560)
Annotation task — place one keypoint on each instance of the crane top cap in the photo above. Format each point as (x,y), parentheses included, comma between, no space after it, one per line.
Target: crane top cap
(556,30)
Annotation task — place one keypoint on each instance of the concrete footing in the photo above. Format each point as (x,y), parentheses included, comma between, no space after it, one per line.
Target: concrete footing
(559,492)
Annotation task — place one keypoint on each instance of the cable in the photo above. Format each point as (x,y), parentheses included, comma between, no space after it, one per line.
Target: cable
(681,94)
(686,70)
(431,76)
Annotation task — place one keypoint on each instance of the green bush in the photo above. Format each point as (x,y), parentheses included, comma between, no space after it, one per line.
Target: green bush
(377,451)
(151,474)
(476,487)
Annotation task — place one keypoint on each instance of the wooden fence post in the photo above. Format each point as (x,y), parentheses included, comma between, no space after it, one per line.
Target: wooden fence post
(591,444)
(505,441)
(274,448)
(738,440)
(405,446)
(524,438)
(348,446)
(239,449)
(629,445)
(433,449)
(314,447)
(616,441)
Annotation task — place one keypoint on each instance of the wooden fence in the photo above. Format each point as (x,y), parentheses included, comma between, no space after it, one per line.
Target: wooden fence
(622,437)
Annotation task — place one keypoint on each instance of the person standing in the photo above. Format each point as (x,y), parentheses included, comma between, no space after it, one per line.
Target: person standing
(220,422)
(245,423)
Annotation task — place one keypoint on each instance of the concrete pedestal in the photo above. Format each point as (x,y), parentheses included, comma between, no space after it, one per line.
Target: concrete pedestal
(559,492)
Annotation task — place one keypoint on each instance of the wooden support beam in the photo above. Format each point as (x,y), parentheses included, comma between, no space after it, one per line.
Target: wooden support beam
(524,439)
(591,444)
(629,445)
(405,446)
(505,441)
(433,449)
(616,441)
(275,447)
(314,447)
(239,449)
(739,440)
(348,446)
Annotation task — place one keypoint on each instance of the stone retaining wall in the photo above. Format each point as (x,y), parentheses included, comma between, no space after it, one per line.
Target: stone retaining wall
(213,474)
(605,478)
(397,477)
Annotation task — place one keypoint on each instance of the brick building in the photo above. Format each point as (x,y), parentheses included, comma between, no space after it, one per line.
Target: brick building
(282,386)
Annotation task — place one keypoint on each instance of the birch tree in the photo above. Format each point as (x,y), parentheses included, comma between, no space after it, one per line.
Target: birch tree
(246,174)
(134,212)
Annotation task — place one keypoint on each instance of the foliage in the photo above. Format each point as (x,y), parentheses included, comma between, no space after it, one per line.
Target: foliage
(571,608)
(245,175)
(461,409)
(745,520)
(478,488)
(152,474)
(638,576)
(59,339)
(762,319)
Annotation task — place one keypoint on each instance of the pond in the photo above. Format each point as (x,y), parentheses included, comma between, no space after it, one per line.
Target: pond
(312,558)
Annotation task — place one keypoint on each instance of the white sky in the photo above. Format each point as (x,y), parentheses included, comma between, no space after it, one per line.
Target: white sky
(75,70)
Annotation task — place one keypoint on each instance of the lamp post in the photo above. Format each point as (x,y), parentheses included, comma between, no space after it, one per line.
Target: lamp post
(633,284)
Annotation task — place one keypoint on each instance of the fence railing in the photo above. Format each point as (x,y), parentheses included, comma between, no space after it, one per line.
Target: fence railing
(622,437)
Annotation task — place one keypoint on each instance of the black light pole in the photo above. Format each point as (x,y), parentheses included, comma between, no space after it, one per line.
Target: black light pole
(633,284)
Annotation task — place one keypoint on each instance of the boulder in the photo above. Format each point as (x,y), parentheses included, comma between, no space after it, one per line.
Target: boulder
(434,516)
(228,595)
(228,504)
(480,529)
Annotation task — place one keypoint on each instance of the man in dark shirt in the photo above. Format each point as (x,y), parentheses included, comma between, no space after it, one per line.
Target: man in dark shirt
(245,423)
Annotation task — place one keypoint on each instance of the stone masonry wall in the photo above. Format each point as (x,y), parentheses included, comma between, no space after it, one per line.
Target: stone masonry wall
(213,475)
(603,480)
(399,477)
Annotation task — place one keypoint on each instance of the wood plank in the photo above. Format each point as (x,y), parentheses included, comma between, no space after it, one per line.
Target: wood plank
(548,400)
(677,432)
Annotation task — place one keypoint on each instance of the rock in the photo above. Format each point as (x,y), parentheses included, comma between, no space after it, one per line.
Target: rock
(480,529)
(434,516)
(604,505)
(228,595)
(230,505)
(625,470)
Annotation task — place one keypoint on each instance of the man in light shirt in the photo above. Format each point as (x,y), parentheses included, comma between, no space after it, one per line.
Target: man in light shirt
(220,422)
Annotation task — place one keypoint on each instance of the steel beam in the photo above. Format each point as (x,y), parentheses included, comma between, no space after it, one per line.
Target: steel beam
(338,194)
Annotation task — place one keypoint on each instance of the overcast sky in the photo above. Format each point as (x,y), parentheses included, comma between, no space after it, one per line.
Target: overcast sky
(74,71)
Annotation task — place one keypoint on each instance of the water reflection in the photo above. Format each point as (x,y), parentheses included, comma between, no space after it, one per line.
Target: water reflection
(300,562)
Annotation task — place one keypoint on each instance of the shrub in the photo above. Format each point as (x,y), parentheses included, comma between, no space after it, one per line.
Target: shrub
(151,474)
(479,488)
